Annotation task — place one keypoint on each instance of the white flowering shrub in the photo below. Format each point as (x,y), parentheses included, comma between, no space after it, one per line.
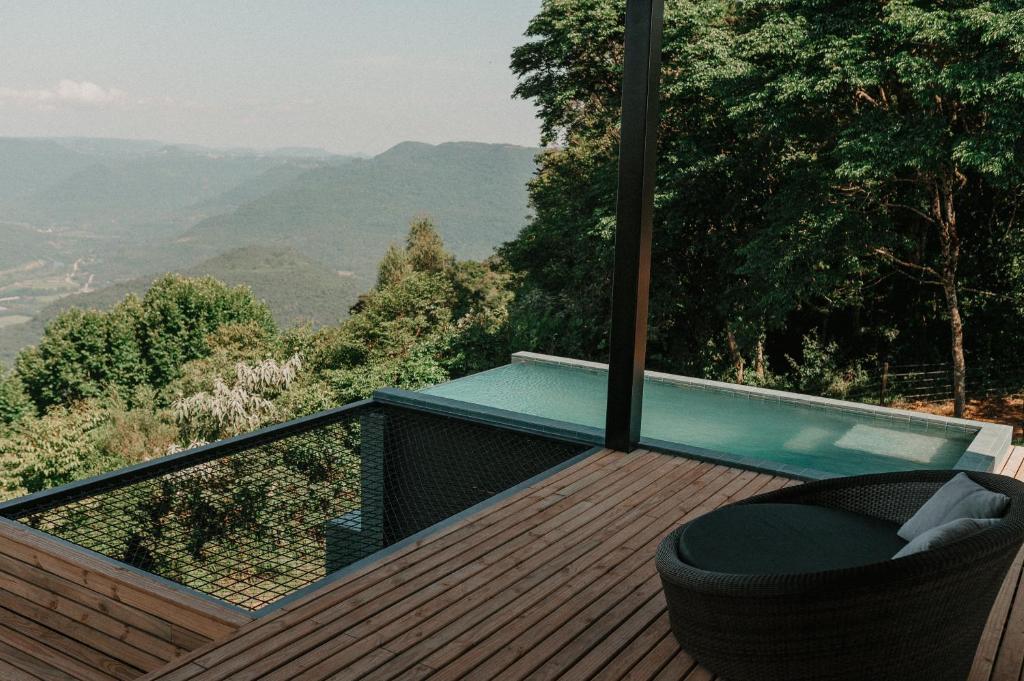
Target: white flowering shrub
(243,406)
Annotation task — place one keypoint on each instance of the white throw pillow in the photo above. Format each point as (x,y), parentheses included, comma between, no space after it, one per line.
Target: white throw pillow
(945,534)
(961,497)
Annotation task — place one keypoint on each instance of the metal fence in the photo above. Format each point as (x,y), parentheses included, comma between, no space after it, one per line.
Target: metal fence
(890,383)
(251,520)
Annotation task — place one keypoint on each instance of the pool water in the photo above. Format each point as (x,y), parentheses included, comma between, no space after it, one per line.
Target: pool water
(824,440)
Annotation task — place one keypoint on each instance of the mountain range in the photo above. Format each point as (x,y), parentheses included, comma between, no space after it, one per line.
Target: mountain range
(83,221)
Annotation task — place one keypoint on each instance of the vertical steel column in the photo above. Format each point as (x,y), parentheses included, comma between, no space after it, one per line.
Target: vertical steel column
(632,275)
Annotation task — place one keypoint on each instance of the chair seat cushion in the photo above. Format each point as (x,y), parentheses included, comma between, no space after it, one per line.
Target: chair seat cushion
(776,539)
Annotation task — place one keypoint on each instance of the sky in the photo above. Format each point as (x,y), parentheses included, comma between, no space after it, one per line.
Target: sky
(350,76)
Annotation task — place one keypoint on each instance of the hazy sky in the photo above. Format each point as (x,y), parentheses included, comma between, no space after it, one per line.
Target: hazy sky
(346,75)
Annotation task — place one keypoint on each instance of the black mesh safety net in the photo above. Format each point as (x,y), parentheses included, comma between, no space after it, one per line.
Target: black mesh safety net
(251,523)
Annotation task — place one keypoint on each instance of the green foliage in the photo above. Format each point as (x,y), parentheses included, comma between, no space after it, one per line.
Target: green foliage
(399,335)
(138,434)
(14,403)
(429,318)
(179,313)
(83,354)
(196,360)
(51,450)
(241,406)
(853,169)
(822,372)
(229,345)
(88,353)
(394,267)
(424,248)
(94,377)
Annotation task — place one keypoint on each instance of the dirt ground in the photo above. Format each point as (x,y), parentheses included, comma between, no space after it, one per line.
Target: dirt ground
(1008,410)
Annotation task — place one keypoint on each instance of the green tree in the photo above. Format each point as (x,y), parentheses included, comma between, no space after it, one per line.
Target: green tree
(425,249)
(906,120)
(179,313)
(14,403)
(54,449)
(87,353)
(394,267)
(241,406)
(439,318)
(843,167)
(571,69)
(83,354)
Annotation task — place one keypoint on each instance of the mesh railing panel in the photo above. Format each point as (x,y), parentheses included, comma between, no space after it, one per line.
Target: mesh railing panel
(251,525)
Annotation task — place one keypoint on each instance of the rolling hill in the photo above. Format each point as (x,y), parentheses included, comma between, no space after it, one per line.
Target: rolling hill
(349,214)
(297,289)
(98,218)
(154,187)
(29,165)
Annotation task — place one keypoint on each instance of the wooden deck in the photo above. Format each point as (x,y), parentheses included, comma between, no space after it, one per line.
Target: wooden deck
(68,615)
(556,581)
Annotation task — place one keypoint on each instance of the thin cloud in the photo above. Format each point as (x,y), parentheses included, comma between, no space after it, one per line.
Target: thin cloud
(65,92)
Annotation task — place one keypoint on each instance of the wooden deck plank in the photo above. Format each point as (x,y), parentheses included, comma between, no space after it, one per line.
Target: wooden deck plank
(573,637)
(119,583)
(653,661)
(27,666)
(383,607)
(62,656)
(1014,462)
(79,631)
(988,648)
(1000,654)
(526,599)
(556,581)
(539,552)
(540,564)
(1009,661)
(83,617)
(277,631)
(634,652)
(503,632)
(130,626)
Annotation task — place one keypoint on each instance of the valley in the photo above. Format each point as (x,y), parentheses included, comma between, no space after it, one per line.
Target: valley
(84,221)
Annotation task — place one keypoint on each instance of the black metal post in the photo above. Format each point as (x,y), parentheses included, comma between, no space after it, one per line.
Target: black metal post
(632,276)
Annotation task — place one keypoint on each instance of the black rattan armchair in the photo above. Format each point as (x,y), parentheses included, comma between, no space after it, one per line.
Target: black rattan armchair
(915,618)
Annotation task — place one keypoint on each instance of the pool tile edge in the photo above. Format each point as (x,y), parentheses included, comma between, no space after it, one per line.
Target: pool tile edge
(987,451)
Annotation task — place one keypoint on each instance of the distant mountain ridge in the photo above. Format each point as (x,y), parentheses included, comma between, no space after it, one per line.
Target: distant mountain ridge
(348,214)
(108,189)
(99,217)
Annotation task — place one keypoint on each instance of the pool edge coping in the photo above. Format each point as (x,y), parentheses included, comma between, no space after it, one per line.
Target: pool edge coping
(986,452)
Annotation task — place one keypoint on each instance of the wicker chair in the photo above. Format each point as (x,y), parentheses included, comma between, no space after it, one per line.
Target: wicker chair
(915,618)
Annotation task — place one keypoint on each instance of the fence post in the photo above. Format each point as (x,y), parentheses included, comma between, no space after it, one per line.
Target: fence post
(884,384)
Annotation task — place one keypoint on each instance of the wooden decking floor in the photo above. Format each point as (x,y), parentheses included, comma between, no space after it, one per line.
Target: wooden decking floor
(555,582)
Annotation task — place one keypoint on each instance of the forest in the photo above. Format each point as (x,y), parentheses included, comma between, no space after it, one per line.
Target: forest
(836,189)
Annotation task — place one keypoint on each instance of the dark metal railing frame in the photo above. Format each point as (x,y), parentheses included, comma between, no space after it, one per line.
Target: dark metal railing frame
(638,147)
(58,496)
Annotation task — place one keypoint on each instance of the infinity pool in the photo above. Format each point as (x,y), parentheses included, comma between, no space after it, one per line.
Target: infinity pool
(781,431)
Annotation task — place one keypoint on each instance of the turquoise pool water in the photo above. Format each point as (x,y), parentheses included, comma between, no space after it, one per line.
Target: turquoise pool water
(825,440)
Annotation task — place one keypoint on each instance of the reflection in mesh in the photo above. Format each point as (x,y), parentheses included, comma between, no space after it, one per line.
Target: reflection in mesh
(253,521)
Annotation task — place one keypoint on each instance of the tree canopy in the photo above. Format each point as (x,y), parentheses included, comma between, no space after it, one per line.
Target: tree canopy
(195,360)
(851,167)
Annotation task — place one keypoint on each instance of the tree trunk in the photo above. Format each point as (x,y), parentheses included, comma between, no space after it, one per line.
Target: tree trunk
(734,352)
(944,210)
(759,358)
